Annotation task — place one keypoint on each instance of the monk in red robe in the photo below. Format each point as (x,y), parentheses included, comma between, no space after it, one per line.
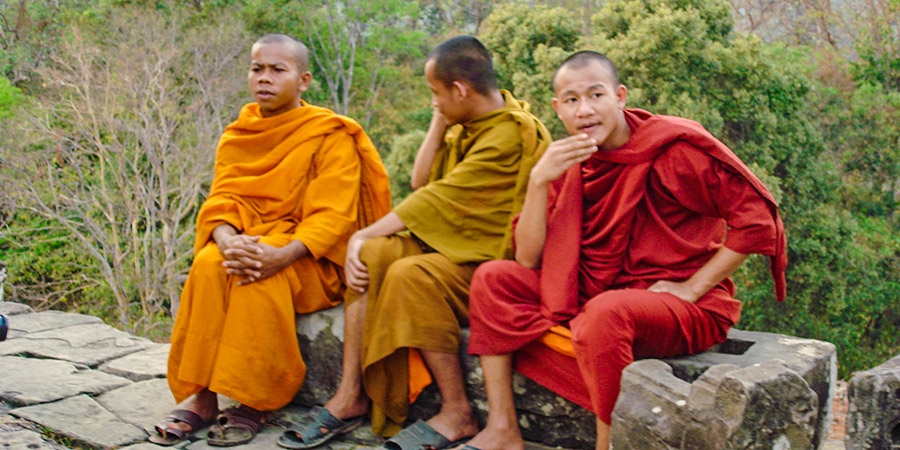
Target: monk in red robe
(628,234)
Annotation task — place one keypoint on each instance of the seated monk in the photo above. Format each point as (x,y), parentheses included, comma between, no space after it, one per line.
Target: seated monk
(292,183)
(629,232)
(408,293)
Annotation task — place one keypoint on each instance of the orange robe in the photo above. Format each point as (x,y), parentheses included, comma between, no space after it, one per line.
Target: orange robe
(308,175)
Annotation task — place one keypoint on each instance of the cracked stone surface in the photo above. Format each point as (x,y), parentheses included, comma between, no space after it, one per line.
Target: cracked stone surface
(144,404)
(89,344)
(82,419)
(47,320)
(142,365)
(761,407)
(26,440)
(873,421)
(128,394)
(57,380)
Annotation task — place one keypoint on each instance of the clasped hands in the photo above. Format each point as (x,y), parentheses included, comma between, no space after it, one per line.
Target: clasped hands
(247,257)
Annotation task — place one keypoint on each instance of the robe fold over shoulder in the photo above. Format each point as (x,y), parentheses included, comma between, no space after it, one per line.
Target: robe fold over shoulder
(261,173)
(464,211)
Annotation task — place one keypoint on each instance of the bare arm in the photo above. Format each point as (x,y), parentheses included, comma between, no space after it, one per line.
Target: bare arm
(356,273)
(434,139)
(722,265)
(531,231)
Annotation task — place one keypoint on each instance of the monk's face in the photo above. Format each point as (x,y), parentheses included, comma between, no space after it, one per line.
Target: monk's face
(588,101)
(276,79)
(449,100)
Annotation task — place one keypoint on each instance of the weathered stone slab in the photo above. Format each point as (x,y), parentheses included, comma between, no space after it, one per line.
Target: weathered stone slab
(142,365)
(84,420)
(321,337)
(815,362)
(764,406)
(873,421)
(144,404)
(14,309)
(88,344)
(29,381)
(46,320)
(26,440)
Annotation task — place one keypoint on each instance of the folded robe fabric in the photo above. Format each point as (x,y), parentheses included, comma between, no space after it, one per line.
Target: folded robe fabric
(307,174)
(619,191)
(464,211)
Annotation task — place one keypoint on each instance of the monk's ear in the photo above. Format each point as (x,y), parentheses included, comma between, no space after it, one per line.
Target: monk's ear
(461,89)
(621,95)
(556,107)
(305,80)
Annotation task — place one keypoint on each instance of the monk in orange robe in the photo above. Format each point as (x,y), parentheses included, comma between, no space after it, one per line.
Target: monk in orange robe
(292,183)
(628,234)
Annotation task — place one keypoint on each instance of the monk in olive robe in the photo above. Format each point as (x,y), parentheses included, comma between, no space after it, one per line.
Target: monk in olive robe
(409,272)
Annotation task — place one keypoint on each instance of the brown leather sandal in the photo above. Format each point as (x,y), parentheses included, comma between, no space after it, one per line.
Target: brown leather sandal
(236,426)
(168,434)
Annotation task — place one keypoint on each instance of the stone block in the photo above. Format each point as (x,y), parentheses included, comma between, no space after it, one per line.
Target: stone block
(46,320)
(83,420)
(143,404)
(14,309)
(26,440)
(815,362)
(873,421)
(88,344)
(21,384)
(764,406)
(142,365)
(321,337)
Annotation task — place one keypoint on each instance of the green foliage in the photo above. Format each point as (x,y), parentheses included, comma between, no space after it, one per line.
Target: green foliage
(399,163)
(527,44)
(10,96)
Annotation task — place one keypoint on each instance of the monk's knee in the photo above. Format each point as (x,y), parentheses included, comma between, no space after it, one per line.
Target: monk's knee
(604,319)
(378,251)
(406,271)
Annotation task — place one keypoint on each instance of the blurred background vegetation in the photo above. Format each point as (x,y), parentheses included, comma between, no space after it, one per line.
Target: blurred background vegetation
(110,111)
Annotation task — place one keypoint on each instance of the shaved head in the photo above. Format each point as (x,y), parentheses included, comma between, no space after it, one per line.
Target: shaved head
(464,58)
(582,59)
(298,50)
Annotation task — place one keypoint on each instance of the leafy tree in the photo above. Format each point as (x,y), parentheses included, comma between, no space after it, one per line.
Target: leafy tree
(119,153)
(527,44)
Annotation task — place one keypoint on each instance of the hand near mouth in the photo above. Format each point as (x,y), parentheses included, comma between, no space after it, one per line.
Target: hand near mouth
(561,155)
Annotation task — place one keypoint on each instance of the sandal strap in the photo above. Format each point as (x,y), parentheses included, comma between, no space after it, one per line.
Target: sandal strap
(241,418)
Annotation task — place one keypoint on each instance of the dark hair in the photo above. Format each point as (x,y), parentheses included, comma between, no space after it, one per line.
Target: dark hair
(583,58)
(299,51)
(464,58)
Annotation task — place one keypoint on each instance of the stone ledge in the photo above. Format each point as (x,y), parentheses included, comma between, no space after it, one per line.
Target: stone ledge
(551,420)
(873,421)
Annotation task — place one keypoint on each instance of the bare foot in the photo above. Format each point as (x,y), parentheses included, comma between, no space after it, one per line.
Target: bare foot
(347,406)
(454,424)
(496,438)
